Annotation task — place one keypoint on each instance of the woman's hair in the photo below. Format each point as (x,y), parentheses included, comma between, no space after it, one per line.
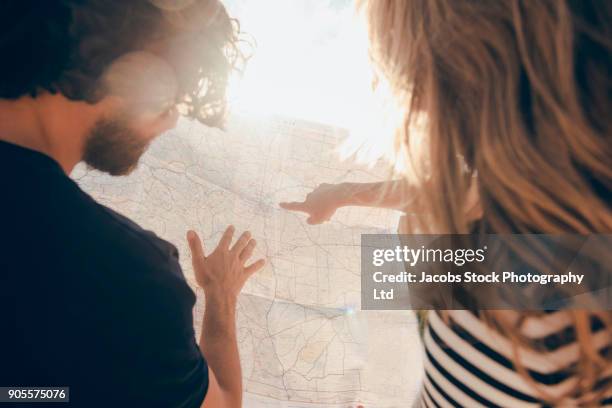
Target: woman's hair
(517,93)
(67,46)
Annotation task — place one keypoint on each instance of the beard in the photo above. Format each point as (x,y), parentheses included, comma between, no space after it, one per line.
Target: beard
(113,146)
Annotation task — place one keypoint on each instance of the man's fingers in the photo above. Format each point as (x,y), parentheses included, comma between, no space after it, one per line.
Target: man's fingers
(255,266)
(294,206)
(226,239)
(248,250)
(195,245)
(242,242)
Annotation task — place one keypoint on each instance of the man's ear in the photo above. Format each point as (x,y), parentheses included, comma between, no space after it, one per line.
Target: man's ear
(143,86)
(150,122)
(144,81)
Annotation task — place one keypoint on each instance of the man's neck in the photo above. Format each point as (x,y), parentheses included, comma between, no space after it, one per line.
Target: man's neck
(50,124)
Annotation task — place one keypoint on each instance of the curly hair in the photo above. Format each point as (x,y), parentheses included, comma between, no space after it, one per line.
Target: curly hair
(67,46)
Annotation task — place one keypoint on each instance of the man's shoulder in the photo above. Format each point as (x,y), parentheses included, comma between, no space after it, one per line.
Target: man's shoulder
(123,239)
(123,234)
(77,227)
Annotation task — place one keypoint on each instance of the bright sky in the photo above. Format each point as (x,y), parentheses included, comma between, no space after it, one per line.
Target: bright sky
(310,61)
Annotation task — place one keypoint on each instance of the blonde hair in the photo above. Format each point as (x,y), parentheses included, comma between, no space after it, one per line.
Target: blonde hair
(517,93)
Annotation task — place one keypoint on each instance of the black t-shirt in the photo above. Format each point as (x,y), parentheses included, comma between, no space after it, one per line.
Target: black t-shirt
(88,299)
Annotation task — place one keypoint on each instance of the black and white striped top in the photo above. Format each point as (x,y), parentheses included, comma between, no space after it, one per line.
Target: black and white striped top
(468,364)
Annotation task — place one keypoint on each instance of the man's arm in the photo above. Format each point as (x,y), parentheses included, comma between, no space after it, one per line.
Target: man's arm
(222,275)
(219,345)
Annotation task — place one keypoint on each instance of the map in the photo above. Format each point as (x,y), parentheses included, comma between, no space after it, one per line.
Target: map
(304,342)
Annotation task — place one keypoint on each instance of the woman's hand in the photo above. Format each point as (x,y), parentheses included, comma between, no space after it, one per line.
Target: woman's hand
(320,204)
(222,274)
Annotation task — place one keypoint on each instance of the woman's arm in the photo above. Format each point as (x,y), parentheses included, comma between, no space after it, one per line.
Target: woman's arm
(323,201)
(321,204)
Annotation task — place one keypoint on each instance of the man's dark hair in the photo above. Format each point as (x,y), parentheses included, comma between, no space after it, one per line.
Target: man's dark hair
(66,46)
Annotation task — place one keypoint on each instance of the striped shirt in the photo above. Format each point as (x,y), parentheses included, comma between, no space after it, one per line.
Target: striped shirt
(468,364)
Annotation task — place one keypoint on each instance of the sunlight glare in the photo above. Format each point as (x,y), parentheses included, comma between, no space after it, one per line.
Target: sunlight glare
(310,61)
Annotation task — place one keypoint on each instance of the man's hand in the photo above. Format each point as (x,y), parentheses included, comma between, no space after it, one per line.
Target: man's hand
(222,274)
(320,204)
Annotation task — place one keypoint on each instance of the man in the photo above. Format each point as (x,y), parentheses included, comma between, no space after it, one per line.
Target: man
(88,299)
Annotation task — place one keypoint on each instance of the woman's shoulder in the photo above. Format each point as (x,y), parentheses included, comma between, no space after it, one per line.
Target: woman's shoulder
(471,362)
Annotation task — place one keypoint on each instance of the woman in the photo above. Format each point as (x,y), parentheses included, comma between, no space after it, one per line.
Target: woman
(516,97)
